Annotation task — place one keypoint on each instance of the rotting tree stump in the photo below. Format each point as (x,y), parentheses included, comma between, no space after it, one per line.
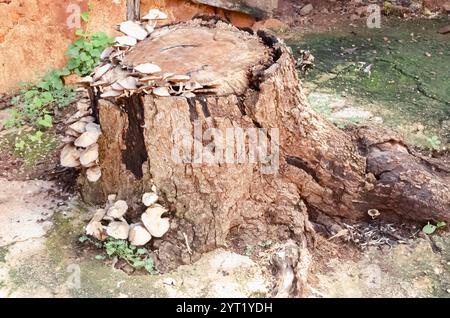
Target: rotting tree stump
(321,169)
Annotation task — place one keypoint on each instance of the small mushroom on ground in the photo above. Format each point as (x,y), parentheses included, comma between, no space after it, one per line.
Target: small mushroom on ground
(155,14)
(70,157)
(94,174)
(118,230)
(373,213)
(86,80)
(147,68)
(149,198)
(118,210)
(87,139)
(152,220)
(95,229)
(161,91)
(139,235)
(133,29)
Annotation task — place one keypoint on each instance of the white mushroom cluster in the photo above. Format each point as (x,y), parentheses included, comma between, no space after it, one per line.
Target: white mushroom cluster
(81,149)
(110,221)
(113,79)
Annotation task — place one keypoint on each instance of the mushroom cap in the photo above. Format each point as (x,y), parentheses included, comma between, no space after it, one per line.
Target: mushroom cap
(153,222)
(87,139)
(126,40)
(89,155)
(111,93)
(94,174)
(147,68)
(95,229)
(118,230)
(161,91)
(139,236)
(133,29)
(129,83)
(79,126)
(99,215)
(149,198)
(155,14)
(70,156)
(100,71)
(118,209)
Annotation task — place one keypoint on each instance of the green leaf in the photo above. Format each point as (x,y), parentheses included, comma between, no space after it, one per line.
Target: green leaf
(83,239)
(84,16)
(441,224)
(429,229)
(79,32)
(45,121)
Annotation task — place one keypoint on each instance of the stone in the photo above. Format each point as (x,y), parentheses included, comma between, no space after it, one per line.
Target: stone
(307,9)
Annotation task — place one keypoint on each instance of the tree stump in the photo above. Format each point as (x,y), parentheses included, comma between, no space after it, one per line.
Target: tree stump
(251,86)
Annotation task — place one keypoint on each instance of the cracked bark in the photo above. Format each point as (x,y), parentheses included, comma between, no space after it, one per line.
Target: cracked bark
(321,168)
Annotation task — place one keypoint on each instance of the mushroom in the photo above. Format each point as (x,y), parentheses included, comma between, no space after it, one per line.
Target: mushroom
(133,29)
(155,14)
(99,72)
(99,215)
(88,119)
(93,127)
(152,220)
(89,155)
(149,198)
(118,210)
(177,78)
(70,156)
(148,68)
(129,83)
(95,229)
(118,230)
(373,213)
(149,28)
(106,53)
(111,93)
(79,126)
(87,139)
(161,91)
(126,40)
(112,198)
(139,236)
(94,173)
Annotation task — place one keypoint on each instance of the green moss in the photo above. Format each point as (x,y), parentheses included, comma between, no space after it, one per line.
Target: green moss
(3,252)
(409,76)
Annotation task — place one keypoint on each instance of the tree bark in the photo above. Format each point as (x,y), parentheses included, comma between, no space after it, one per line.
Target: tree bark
(321,169)
(133,10)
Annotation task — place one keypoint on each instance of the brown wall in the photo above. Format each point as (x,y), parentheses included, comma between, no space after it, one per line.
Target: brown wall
(34,34)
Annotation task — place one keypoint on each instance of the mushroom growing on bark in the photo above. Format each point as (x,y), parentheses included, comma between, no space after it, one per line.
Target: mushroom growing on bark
(118,230)
(118,210)
(139,235)
(152,220)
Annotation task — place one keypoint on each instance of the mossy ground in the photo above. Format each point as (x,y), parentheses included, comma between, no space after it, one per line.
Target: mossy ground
(400,72)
